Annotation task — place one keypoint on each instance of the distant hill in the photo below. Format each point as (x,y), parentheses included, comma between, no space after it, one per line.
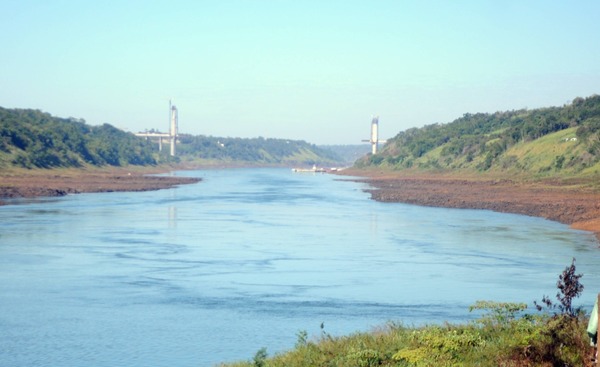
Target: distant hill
(348,153)
(256,151)
(35,139)
(552,141)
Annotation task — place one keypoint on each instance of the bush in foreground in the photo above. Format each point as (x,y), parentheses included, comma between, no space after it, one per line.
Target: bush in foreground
(530,340)
(504,335)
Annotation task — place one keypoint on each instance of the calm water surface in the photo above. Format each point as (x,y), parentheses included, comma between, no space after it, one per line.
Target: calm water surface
(246,259)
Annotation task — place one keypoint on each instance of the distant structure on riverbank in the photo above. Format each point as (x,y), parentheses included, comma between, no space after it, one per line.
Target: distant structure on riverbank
(171,136)
(374,135)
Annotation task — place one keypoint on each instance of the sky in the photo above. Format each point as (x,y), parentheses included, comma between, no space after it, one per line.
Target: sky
(313,70)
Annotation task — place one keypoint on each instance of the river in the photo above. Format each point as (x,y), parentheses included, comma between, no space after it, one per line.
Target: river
(248,258)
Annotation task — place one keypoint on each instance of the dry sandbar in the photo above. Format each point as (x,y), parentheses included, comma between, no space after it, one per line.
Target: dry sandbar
(575,202)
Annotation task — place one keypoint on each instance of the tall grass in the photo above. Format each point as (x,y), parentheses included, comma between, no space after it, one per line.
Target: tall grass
(505,334)
(529,340)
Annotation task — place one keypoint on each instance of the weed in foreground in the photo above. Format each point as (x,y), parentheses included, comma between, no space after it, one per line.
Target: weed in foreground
(504,335)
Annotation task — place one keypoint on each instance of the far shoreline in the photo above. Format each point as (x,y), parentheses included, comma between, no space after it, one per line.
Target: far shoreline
(575,205)
(23,183)
(16,183)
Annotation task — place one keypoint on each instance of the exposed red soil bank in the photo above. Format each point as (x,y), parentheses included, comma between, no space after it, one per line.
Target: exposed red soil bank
(572,204)
(568,203)
(34,183)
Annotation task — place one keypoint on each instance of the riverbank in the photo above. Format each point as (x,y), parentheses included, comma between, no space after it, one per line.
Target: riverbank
(575,202)
(21,183)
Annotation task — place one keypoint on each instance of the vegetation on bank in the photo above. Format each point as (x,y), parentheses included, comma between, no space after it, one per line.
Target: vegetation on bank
(554,141)
(505,334)
(349,153)
(35,139)
(546,142)
(257,151)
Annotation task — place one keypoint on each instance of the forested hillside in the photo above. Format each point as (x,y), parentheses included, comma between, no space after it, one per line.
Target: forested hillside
(349,153)
(259,151)
(34,139)
(545,141)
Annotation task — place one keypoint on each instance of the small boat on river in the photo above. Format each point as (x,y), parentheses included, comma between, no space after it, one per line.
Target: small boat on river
(314,169)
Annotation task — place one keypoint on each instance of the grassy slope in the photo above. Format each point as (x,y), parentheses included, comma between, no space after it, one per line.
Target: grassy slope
(543,155)
(535,159)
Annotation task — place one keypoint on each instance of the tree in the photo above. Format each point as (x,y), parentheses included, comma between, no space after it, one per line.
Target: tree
(569,288)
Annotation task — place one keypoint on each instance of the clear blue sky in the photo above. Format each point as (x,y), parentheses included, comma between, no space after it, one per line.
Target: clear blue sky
(315,70)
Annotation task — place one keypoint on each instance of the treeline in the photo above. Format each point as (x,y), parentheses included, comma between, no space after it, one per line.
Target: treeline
(254,150)
(482,141)
(35,139)
(349,153)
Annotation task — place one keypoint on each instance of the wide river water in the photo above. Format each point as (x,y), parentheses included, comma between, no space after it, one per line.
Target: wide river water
(248,258)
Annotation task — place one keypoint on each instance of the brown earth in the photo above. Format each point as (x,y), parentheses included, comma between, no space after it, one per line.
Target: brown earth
(60,182)
(573,203)
(576,203)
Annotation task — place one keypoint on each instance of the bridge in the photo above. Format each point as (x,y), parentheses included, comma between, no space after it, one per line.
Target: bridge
(171,137)
(374,135)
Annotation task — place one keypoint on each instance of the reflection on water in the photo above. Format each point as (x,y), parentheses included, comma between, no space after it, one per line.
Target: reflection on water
(245,259)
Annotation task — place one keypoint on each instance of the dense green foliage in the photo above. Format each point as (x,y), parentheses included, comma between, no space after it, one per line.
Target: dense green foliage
(503,335)
(254,151)
(497,338)
(34,139)
(502,141)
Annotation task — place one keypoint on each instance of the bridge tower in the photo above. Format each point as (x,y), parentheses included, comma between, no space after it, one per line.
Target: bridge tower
(171,137)
(374,135)
(173,119)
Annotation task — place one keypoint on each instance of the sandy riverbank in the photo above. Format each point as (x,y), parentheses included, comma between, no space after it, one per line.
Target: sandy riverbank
(573,203)
(59,182)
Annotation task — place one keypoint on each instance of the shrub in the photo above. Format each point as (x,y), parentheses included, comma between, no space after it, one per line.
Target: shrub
(500,313)
(260,358)
(503,336)
(569,288)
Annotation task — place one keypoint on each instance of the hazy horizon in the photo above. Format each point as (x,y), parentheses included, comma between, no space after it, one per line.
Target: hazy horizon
(304,70)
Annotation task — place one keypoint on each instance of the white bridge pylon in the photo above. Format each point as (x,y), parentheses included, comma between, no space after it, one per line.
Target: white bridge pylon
(374,135)
(171,136)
